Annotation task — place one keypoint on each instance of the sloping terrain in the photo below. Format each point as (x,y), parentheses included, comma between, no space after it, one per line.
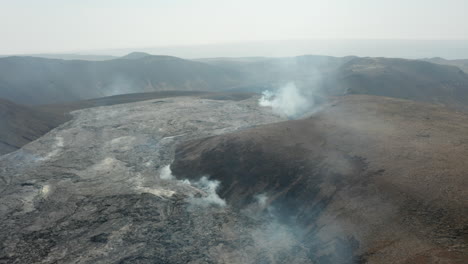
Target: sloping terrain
(136,55)
(400,78)
(367,180)
(20,125)
(30,80)
(462,64)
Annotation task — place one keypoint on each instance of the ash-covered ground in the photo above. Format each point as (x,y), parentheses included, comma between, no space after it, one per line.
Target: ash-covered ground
(98,189)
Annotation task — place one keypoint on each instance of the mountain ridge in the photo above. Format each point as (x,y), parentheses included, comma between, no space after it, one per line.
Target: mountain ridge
(29,80)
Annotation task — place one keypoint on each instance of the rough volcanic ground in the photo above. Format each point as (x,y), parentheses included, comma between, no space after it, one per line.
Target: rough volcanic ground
(21,124)
(96,190)
(368,179)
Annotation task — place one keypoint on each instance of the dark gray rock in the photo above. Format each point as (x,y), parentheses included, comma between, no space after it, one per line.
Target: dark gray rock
(97,189)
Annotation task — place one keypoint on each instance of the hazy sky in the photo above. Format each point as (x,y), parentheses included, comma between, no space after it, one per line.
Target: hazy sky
(34,26)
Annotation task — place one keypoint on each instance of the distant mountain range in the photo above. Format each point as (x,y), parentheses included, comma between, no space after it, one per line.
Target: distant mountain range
(69,56)
(31,80)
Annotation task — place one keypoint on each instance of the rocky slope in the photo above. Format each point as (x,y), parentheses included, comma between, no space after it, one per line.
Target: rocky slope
(366,180)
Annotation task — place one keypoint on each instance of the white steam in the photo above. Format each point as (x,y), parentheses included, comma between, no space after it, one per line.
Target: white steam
(290,101)
(206,189)
(261,200)
(166,173)
(209,187)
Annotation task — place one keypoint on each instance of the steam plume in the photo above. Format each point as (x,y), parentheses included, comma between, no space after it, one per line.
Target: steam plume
(290,101)
(206,186)
(211,197)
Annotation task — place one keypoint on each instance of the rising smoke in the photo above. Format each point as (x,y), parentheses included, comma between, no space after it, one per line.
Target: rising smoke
(290,101)
(209,187)
(166,173)
(206,189)
(273,240)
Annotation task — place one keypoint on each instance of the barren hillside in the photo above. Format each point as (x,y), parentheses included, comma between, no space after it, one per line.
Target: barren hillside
(373,179)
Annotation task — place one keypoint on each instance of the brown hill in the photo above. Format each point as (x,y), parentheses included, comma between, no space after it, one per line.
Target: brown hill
(462,64)
(400,78)
(20,124)
(367,180)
